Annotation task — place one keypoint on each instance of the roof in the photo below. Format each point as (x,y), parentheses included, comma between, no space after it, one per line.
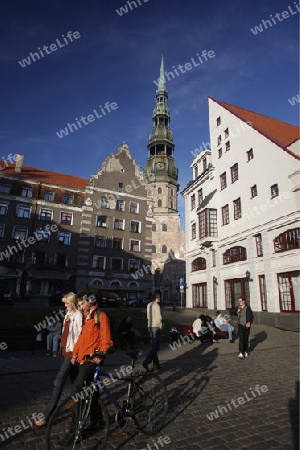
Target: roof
(45,176)
(281,133)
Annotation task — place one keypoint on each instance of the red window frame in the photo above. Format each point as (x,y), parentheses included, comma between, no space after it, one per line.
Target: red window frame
(263,292)
(198,264)
(234,254)
(288,240)
(223,181)
(234,172)
(199,295)
(286,292)
(225,215)
(237,208)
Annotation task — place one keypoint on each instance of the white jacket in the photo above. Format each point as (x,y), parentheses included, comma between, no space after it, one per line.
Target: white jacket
(74,330)
(197,325)
(154,315)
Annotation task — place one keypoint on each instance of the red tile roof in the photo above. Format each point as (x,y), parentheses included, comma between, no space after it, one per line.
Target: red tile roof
(281,133)
(45,176)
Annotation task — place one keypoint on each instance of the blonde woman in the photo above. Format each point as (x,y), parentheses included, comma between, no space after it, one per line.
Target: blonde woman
(71,329)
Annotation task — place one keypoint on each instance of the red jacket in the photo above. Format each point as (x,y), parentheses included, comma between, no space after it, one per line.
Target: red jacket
(93,338)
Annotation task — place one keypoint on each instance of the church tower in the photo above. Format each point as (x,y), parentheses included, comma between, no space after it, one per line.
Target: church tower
(168,241)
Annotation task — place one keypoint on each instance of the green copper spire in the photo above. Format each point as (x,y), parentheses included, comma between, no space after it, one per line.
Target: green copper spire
(162,80)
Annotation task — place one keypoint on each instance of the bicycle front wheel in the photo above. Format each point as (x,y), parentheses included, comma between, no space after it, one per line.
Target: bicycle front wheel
(150,403)
(91,429)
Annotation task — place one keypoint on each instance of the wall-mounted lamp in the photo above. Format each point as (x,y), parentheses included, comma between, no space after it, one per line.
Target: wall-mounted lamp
(248,276)
(215,280)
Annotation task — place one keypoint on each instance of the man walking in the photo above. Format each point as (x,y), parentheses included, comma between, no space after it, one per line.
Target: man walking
(245,319)
(155,325)
(223,325)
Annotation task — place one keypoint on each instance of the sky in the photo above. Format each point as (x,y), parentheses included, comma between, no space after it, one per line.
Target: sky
(115,57)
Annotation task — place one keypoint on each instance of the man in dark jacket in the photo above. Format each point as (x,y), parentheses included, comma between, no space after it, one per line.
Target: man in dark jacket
(245,319)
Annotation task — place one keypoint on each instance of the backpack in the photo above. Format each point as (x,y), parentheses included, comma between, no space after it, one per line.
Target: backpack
(112,325)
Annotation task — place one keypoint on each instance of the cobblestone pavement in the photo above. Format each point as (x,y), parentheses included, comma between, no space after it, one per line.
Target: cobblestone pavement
(201,380)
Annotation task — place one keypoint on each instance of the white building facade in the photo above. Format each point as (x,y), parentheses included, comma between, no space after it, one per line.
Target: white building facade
(242,217)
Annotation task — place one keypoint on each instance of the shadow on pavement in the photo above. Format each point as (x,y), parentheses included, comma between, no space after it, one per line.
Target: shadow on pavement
(257,339)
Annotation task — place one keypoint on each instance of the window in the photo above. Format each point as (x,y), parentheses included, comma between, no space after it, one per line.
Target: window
(5,188)
(23,211)
(200,196)
(133,265)
(219,153)
(288,240)
(253,191)
(164,249)
(19,233)
(193,201)
(39,258)
(134,245)
(66,218)
(159,191)
(274,191)
(227,146)
(26,191)
(193,231)
(2,227)
(116,264)
(49,195)
(3,209)
(153,249)
(198,264)
(68,199)
(119,224)
(17,258)
(133,208)
(195,171)
(43,236)
(204,164)
(250,154)
(289,291)
(235,289)
(164,227)
(199,295)
(154,227)
(226,133)
(208,223)
(218,121)
(61,260)
(64,238)
(234,254)
(263,292)
(120,205)
(223,182)
(104,202)
(117,243)
(99,262)
(45,214)
(234,173)
(101,221)
(213,257)
(159,203)
(219,140)
(135,227)
(237,209)
(100,241)
(259,247)
(225,215)
(120,187)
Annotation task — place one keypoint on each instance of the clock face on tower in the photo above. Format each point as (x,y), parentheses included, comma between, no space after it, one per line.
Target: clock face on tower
(160,165)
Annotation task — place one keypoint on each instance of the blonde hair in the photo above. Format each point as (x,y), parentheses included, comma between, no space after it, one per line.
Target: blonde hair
(71,299)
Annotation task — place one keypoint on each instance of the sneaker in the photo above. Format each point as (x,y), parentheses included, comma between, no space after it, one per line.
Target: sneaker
(241,355)
(48,354)
(246,355)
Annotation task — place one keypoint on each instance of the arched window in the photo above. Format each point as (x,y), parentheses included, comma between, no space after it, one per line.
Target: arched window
(153,249)
(234,254)
(116,283)
(159,203)
(159,191)
(165,227)
(154,227)
(96,282)
(288,240)
(133,283)
(164,249)
(198,264)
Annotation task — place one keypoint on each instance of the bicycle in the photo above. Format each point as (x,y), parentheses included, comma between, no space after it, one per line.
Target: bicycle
(146,404)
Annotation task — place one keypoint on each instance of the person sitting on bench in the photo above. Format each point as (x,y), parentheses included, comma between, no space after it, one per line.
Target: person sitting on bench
(223,325)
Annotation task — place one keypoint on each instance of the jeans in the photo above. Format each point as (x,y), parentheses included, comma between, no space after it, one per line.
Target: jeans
(155,334)
(243,338)
(53,342)
(229,328)
(66,369)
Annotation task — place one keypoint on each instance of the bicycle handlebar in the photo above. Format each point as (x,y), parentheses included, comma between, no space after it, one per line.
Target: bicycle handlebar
(96,354)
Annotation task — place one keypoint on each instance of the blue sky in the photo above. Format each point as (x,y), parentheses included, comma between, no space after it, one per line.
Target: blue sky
(116,58)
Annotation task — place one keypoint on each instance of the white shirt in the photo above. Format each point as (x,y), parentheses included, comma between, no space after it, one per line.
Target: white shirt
(154,315)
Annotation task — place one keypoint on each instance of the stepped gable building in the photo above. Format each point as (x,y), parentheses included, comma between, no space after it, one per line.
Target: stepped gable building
(60,232)
(242,217)
(168,240)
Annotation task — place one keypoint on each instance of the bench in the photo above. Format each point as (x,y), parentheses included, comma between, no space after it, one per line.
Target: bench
(187,330)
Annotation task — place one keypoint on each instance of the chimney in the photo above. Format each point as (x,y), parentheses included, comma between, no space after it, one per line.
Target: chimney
(19,162)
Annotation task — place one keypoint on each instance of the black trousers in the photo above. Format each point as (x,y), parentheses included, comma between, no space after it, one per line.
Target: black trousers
(243,338)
